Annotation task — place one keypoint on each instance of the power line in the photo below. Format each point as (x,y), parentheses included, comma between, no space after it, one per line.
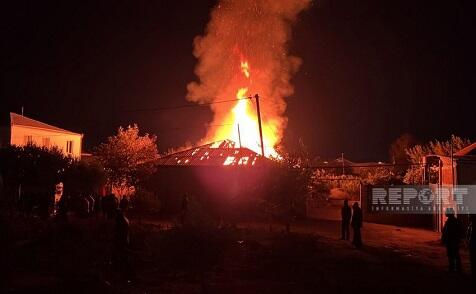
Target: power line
(156,109)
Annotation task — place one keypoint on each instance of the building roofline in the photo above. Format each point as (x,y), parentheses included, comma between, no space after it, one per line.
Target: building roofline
(47,127)
(466,150)
(200,156)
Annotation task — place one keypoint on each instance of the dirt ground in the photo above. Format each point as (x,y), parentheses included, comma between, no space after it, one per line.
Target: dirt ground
(253,258)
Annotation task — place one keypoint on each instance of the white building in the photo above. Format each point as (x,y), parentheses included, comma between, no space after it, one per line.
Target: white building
(23,131)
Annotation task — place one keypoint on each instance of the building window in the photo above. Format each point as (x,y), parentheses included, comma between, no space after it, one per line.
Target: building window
(46,142)
(28,140)
(69,147)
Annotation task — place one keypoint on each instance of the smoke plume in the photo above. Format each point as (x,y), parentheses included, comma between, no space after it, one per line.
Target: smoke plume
(255,32)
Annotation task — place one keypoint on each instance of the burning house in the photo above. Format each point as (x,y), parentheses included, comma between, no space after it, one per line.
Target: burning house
(219,173)
(243,51)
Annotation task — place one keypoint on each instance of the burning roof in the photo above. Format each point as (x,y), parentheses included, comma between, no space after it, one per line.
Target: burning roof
(219,153)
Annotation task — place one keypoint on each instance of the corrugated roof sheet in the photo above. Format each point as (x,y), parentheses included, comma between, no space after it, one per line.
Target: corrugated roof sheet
(220,153)
(20,120)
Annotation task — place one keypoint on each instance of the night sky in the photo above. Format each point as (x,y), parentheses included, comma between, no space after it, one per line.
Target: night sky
(371,71)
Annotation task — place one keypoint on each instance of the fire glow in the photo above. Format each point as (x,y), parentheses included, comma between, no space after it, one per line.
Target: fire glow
(243,53)
(241,124)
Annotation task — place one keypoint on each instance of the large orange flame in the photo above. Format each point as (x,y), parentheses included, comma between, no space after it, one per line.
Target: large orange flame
(243,52)
(241,124)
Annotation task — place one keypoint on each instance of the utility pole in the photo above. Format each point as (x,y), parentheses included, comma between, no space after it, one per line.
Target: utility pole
(343,164)
(259,124)
(452,164)
(239,135)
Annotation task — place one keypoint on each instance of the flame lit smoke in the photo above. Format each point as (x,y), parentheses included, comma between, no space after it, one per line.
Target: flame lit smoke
(244,52)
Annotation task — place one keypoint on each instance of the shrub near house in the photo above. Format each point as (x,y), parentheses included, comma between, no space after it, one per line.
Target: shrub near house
(30,175)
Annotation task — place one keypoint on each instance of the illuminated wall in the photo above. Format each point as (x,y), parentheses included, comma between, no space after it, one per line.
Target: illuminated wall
(68,143)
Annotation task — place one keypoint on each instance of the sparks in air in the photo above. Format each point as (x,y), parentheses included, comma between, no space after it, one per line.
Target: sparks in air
(245,69)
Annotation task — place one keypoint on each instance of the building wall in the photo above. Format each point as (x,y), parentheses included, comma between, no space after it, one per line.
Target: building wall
(396,219)
(20,135)
(466,172)
(225,190)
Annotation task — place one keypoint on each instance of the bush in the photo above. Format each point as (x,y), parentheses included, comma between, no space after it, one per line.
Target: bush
(84,177)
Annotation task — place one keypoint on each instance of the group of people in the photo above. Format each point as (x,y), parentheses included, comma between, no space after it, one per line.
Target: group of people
(86,205)
(451,237)
(113,210)
(352,217)
(452,234)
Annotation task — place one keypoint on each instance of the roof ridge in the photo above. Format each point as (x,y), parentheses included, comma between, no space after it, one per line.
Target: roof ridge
(21,120)
(464,151)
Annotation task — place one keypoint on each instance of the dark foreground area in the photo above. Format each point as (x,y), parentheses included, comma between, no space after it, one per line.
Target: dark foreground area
(54,257)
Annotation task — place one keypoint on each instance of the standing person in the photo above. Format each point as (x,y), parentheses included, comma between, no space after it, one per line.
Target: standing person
(124,203)
(63,208)
(184,209)
(109,205)
(451,237)
(97,204)
(120,256)
(83,206)
(92,204)
(356,224)
(471,238)
(346,214)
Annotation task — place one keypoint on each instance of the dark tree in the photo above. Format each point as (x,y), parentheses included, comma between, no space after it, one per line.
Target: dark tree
(30,174)
(84,177)
(398,153)
(290,184)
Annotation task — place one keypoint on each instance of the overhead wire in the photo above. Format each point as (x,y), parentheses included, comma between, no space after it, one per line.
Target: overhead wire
(158,109)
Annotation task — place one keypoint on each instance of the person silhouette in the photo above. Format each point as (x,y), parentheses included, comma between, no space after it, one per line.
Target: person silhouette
(120,254)
(356,224)
(184,209)
(124,203)
(109,205)
(471,238)
(451,237)
(346,213)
